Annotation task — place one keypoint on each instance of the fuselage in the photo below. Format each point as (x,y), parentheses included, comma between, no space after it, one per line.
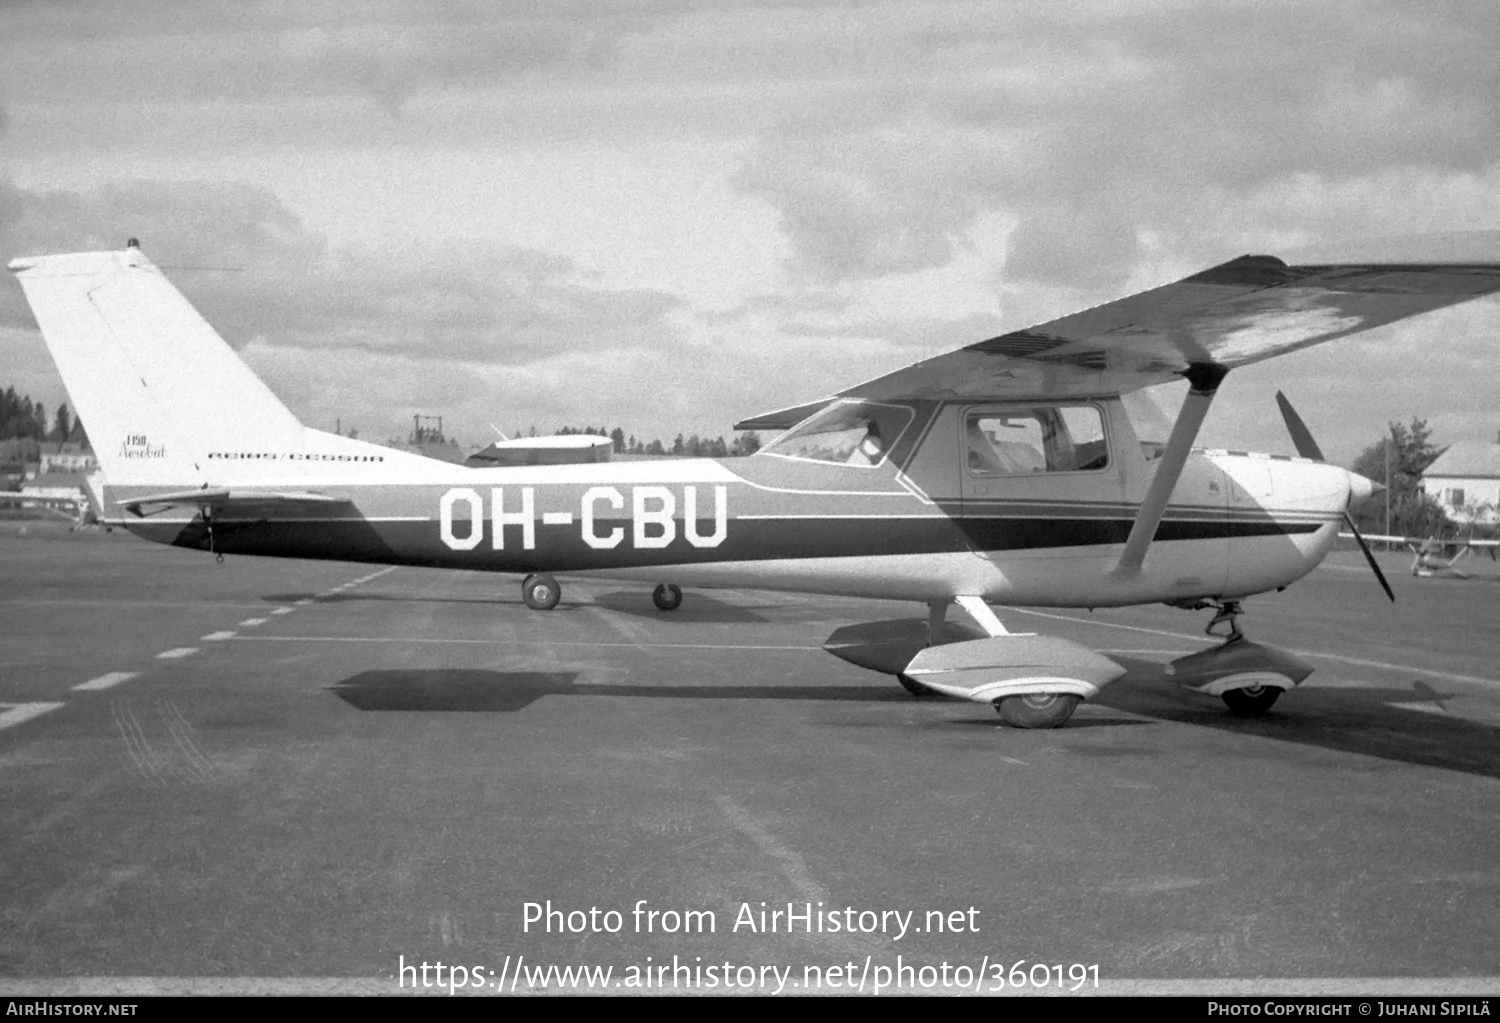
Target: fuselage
(924,520)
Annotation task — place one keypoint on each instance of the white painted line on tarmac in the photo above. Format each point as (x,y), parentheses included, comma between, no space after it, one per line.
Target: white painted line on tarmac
(215,636)
(303,602)
(114,678)
(629,630)
(1358,662)
(19,712)
(250,623)
(516,642)
(176,652)
(281,610)
(133,604)
(789,861)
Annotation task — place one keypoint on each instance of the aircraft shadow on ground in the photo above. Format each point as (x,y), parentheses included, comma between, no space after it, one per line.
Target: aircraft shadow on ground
(1345,719)
(992,720)
(696,608)
(481,690)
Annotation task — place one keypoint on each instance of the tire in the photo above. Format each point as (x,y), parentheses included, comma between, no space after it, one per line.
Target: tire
(667,596)
(1251,701)
(916,688)
(541,592)
(1036,710)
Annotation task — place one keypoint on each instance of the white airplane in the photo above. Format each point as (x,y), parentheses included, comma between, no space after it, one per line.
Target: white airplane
(1429,552)
(1007,472)
(564,449)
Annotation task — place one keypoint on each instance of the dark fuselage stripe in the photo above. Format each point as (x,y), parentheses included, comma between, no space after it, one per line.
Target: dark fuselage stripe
(562,548)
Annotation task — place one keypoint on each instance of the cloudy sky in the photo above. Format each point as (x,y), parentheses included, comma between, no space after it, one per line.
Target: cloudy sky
(672,215)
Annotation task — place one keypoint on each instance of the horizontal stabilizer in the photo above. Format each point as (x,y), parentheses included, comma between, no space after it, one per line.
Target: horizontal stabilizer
(985,670)
(223,499)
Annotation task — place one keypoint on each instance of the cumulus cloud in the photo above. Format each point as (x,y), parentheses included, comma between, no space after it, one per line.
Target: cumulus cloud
(1077,150)
(865,201)
(268,285)
(1067,246)
(1093,127)
(389,50)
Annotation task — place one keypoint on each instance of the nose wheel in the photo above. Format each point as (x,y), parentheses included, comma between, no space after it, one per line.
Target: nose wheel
(540,592)
(1250,701)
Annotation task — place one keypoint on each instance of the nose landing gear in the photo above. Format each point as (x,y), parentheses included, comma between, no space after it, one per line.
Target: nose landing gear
(1229,611)
(1247,676)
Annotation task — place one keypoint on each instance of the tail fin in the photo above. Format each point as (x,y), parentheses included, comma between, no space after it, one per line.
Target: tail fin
(154,384)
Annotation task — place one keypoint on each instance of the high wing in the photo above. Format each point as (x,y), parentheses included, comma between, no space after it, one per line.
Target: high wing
(1239,312)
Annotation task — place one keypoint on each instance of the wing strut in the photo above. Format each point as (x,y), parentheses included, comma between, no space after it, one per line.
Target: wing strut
(1203,380)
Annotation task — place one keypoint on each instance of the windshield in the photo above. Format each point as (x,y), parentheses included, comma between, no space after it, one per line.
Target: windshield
(845,433)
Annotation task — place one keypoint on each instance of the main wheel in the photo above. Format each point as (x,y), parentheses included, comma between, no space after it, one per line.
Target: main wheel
(1036,710)
(916,688)
(541,592)
(1251,701)
(667,596)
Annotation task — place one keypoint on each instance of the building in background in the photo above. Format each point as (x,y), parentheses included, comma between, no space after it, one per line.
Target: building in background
(1465,482)
(67,456)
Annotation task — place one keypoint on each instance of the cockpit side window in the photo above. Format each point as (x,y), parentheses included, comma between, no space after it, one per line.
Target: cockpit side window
(845,433)
(1035,438)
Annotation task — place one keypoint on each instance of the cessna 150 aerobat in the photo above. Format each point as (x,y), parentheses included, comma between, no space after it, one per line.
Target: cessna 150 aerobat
(1008,472)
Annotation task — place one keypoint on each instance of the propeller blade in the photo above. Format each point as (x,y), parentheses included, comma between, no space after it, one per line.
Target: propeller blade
(1302,438)
(1349,521)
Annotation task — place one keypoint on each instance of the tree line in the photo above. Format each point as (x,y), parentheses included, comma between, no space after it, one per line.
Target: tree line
(1397,462)
(24,419)
(692,446)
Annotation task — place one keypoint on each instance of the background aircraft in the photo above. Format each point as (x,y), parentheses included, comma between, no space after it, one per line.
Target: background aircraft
(1006,472)
(1434,556)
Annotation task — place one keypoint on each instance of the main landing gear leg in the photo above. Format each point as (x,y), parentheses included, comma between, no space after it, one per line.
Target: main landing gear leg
(540,592)
(1023,710)
(937,614)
